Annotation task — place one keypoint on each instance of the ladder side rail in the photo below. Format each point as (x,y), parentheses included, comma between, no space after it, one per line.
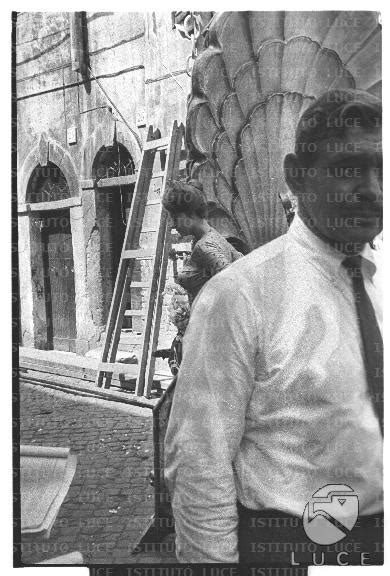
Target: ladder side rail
(150,365)
(116,333)
(120,280)
(144,174)
(151,300)
(172,162)
(137,210)
(173,166)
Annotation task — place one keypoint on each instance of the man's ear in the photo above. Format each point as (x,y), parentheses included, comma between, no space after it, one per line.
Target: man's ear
(294,174)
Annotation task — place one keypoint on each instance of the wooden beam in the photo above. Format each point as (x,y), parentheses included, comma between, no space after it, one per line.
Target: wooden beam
(117,181)
(113,182)
(87,373)
(53,205)
(119,368)
(88,388)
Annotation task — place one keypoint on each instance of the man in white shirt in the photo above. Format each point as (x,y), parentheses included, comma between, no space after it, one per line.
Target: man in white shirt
(274,397)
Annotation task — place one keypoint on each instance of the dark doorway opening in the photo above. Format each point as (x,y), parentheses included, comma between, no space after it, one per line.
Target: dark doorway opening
(112,206)
(59,284)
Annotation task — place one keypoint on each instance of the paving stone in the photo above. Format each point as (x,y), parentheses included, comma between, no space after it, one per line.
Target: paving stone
(94,431)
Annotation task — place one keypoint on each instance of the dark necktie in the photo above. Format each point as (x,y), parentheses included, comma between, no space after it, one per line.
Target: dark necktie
(371,336)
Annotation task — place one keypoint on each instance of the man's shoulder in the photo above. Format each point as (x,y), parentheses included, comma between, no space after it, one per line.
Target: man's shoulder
(248,270)
(253,263)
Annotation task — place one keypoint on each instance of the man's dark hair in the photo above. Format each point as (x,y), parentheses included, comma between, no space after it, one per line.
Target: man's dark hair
(185,196)
(331,115)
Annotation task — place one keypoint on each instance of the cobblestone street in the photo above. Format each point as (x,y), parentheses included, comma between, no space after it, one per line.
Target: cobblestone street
(110,501)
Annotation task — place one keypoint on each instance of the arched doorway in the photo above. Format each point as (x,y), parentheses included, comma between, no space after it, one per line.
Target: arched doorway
(113,204)
(52,259)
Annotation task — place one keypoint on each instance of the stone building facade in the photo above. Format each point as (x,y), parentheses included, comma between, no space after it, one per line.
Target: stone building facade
(74,72)
(88,86)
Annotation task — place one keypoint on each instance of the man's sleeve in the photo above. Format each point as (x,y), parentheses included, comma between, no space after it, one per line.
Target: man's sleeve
(207,421)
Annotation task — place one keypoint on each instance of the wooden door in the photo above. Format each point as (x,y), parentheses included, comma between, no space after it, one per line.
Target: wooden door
(114,207)
(58,270)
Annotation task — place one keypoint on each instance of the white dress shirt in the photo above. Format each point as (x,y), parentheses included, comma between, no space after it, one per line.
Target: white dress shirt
(271,402)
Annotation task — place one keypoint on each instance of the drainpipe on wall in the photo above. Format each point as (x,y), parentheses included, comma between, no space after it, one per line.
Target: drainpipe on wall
(79,43)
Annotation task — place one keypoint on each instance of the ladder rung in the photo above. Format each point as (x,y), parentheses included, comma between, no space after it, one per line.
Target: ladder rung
(153,202)
(160,143)
(130,313)
(148,230)
(139,284)
(160,174)
(142,254)
(118,368)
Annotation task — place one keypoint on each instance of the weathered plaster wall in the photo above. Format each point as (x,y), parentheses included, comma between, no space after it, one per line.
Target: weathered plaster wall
(87,331)
(25,281)
(165,51)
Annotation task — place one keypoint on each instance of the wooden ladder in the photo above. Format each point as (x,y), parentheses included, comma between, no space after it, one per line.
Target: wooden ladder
(132,252)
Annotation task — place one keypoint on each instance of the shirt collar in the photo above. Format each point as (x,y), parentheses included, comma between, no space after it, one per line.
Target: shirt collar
(370,260)
(322,253)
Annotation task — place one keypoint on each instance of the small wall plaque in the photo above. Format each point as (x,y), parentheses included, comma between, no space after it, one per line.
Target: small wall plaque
(71,135)
(141,117)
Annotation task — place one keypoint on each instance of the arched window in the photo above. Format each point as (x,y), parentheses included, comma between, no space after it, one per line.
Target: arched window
(112,161)
(47,184)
